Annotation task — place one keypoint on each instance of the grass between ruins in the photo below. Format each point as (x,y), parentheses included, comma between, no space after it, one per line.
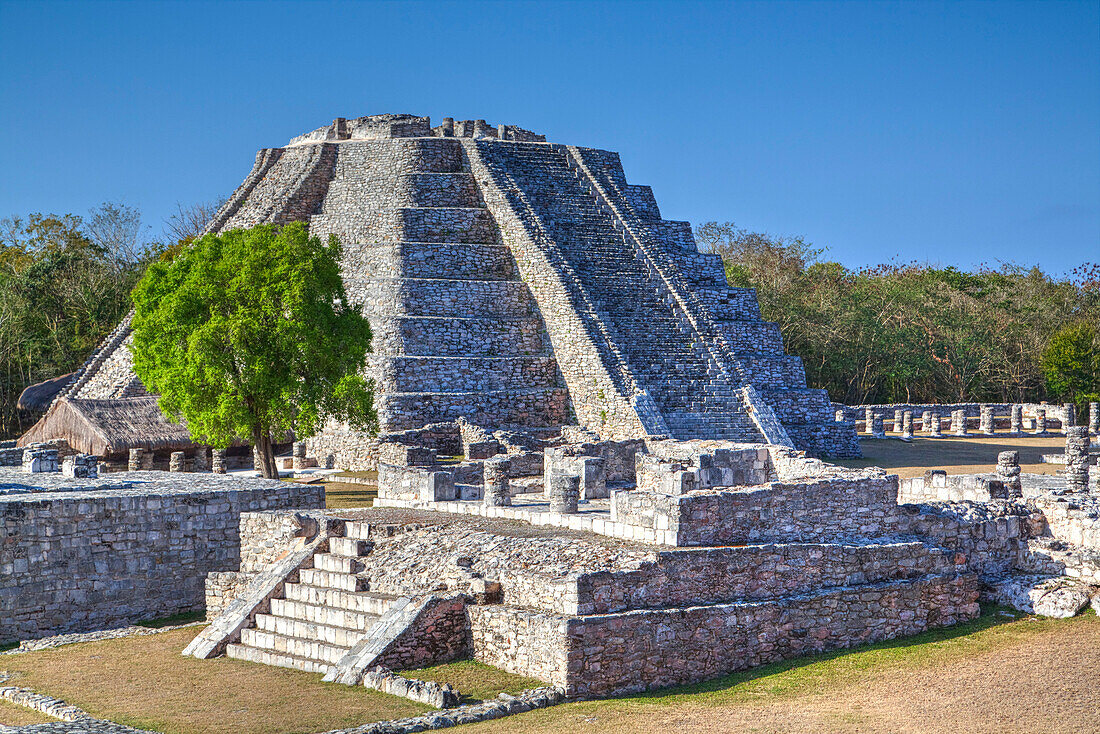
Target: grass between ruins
(955,455)
(1003,672)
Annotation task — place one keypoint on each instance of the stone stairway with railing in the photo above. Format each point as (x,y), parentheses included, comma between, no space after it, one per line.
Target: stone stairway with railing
(317,620)
(672,364)
(456,331)
(697,388)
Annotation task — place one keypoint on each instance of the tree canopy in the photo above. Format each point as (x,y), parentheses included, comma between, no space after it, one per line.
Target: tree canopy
(248,334)
(908,332)
(1071,363)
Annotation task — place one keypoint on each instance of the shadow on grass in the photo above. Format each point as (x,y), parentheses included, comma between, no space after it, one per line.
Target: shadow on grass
(175,619)
(992,616)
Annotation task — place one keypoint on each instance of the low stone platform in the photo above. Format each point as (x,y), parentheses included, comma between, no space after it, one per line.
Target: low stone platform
(86,554)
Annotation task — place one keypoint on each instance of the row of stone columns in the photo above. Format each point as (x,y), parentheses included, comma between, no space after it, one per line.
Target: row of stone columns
(142,460)
(930,421)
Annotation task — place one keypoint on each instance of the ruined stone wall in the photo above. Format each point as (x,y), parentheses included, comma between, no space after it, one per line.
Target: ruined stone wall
(990,536)
(521,641)
(77,561)
(813,510)
(688,645)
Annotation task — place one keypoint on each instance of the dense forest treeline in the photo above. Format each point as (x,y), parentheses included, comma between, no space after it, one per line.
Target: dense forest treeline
(918,333)
(892,333)
(65,283)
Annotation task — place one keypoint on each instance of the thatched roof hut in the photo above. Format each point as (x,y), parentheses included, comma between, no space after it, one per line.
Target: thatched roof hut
(109,427)
(36,398)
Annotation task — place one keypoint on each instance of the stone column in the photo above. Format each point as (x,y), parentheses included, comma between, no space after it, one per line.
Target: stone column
(876,426)
(907,426)
(201,462)
(497,492)
(1077,458)
(565,493)
(217,461)
(1017,419)
(985,423)
(177,461)
(897,420)
(1069,416)
(958,422)
(934,429)
(1094,417)
(868,419)
(1040,421)
(926,421)
(1008,469)
(298,455)
(135,462)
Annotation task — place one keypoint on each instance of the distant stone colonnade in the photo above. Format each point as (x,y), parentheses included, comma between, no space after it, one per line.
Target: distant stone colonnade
(960,420)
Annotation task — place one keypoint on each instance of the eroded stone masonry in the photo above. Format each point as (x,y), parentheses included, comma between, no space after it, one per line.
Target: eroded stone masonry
(510,282)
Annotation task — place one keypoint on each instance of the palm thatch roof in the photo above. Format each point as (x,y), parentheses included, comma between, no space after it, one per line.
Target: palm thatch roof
(109,427)
(36,398)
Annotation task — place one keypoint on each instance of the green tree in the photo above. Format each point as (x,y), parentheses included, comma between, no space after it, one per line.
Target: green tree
(1071,363)
(249,334)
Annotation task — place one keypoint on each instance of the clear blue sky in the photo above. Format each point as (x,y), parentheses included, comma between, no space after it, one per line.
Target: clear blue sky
(956,133)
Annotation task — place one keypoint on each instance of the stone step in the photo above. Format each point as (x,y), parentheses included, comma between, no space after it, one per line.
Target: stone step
(320,652)
(332,580)
(412,224)
(337,563)
(545,406)
(364,602)
(327,615)
(390,297)
(462,374)
(350,547)
(456,261)
(352,192)
(291,627)
(448,336)
(281,660)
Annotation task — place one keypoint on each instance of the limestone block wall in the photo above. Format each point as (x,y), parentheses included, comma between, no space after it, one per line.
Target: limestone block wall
(78,561)
(690,577)
(991,537)
(863,504)
(679,646)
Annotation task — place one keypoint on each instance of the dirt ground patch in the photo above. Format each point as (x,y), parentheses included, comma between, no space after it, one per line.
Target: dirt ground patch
(955,455)
(14,715)
(1024,676)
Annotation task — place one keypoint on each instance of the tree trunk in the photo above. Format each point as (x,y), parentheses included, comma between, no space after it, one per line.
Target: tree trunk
(266,453)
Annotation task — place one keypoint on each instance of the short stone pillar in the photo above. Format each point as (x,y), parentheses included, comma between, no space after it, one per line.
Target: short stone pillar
(985,421)
(448,127)
(907,426)
(1069,416)
(926,421)
(136,460)
(1077,458)
(39,458)
(298,455)
(958,422)
(868,419)
(177,461)
(80,466)
(1094,417)
(1008,469)
(1016,419)
(898,415)
(934,429)
(1040,421)
(876,426)
(217,461)
(201,462)
(497,493)
(565,493)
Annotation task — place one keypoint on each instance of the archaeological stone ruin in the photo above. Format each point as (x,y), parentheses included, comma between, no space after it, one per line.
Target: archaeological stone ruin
(596,466)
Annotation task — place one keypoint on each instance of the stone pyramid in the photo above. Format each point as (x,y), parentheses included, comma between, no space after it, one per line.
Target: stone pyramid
(519,283)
